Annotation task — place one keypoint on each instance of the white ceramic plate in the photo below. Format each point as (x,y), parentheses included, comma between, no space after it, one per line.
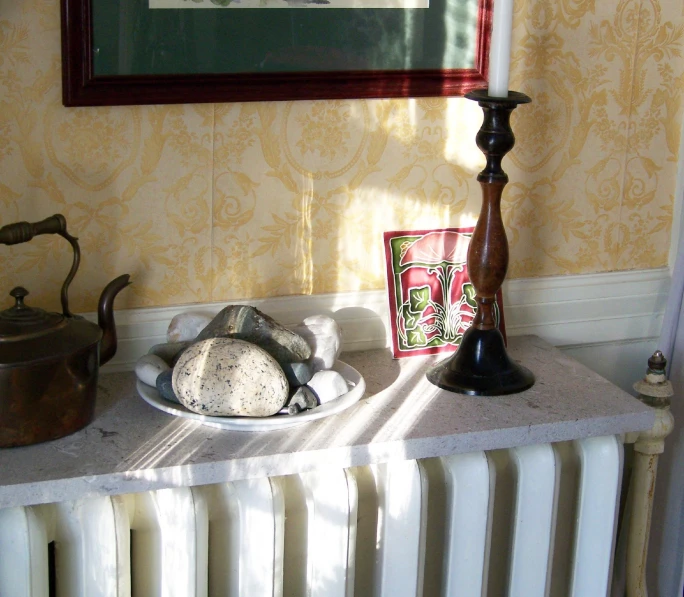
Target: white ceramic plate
(356,383)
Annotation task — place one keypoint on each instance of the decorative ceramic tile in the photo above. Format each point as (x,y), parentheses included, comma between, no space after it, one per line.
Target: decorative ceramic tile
(431,299)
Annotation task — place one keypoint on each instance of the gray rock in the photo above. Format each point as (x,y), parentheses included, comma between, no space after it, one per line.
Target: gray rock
(303,398)
(148,367)
(165,386)
(248,323)
(292,409)
(186,326)
(325,338)
(169,351)
(328,385)
(228,377)
(298,373)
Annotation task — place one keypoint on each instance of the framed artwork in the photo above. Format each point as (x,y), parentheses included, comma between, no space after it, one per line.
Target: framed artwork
(431,299)
(187,51)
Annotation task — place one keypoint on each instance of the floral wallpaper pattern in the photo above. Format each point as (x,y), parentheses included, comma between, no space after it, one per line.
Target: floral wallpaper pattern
(216,202)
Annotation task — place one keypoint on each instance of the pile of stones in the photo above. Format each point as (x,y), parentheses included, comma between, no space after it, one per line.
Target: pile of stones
(242,363)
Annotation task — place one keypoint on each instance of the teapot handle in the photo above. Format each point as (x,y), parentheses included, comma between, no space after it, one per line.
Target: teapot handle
(21,232)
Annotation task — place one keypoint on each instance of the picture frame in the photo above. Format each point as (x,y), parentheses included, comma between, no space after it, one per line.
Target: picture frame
(84,83)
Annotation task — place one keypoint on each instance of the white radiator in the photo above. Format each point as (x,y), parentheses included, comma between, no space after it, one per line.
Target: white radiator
(525,522)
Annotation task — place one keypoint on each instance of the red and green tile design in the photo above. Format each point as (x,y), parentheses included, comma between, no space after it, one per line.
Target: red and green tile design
(431,299)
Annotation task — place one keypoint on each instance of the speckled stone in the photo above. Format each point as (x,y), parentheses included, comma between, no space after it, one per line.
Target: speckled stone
(325,338)
(165,386)
(169,351)
(328,385)
(186,326)
(298,373)
(227,377)
(248,323)
(148,367)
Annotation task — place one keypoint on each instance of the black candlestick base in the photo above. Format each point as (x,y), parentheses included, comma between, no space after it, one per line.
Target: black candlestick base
(481,367)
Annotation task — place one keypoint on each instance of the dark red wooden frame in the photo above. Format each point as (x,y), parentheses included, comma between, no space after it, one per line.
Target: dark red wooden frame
(81,88)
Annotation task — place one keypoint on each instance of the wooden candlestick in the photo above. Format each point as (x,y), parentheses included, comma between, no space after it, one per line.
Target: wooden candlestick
(481,366)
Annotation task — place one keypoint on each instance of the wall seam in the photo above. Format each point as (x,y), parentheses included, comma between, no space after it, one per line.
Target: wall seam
(678,206)
(211,201)
(628,136)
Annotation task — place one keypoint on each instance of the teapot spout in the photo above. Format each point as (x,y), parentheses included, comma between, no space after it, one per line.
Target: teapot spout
(105,317)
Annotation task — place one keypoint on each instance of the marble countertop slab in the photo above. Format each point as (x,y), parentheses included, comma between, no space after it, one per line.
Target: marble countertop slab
(130,446)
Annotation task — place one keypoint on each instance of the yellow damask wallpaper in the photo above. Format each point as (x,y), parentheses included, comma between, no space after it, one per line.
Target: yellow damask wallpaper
(228,201)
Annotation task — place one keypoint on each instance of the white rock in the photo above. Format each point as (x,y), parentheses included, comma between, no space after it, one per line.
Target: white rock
(328,385)
(325,338)
(148,367)
(186,326)
(227,377)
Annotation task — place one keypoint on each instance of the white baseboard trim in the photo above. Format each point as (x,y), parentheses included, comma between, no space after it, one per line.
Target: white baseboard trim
(564,310)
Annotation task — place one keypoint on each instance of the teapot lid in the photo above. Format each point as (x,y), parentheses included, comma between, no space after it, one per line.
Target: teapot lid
(20,321)
(29,334)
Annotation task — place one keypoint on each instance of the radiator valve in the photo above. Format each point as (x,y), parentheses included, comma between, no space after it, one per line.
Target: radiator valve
(655,390)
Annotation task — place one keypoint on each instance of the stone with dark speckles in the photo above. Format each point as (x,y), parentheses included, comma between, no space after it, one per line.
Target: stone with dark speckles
(227,377)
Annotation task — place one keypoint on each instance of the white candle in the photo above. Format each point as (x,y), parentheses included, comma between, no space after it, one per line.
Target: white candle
(500,48)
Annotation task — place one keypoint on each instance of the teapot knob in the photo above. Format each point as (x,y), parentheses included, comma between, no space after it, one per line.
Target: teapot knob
(19,293)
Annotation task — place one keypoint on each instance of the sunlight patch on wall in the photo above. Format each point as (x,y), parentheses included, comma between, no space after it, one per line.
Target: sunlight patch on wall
(360,240)
(303,272)
(463,120)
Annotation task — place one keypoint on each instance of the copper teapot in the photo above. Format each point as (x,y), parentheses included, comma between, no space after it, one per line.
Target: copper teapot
(49,362)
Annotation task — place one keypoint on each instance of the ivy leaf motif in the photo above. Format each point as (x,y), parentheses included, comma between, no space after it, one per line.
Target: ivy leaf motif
(410,320)
(469,293)
(419,298)
(416,337)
